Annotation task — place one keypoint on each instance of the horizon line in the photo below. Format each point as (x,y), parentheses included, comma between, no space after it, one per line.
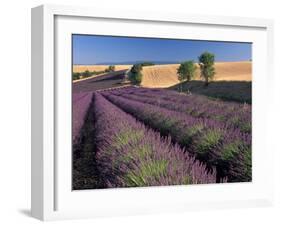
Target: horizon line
(100,64)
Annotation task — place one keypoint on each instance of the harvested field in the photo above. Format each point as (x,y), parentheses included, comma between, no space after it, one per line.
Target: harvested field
(82,68)
(161,76)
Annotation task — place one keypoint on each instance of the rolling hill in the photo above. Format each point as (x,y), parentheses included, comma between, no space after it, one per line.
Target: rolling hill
(161,76)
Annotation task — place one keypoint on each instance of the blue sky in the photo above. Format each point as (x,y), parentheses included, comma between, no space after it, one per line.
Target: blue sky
(92,49)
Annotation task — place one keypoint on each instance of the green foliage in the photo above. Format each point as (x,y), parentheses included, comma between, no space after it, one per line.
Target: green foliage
(230,150)
(127,136)
(238,91)
(189,134)
(76,75)
(136,68)
(111,68)
(206,62)
(138,78)
(97,72)
(86,74)
(208,140)
(135,75)
(153,169)
(186,71)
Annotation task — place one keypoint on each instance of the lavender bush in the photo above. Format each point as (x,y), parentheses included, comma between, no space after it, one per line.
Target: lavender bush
(232,114)
(129,154)
(80,105)
(210,141)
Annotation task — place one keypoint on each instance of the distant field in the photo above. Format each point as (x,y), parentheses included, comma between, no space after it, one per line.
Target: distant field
(100,82)
(232,80)
(82,68)
(162,76)
(160,136)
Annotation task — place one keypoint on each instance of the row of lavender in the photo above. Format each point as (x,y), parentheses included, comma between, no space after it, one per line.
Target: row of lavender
(128,154)
(210,141)
(80,105)
(232,114)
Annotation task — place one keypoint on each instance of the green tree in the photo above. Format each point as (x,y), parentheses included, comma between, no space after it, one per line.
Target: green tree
(135,75)
(111,68)
(75,75)
(206,62)
(86,74)
(186,71)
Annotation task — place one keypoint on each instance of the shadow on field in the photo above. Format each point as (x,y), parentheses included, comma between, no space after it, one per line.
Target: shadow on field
(115,77)
(85,173)
(239,91)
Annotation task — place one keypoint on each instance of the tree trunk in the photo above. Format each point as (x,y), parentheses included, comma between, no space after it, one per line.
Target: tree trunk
(207,81)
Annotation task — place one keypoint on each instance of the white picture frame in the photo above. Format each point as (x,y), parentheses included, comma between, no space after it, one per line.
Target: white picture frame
(52,197)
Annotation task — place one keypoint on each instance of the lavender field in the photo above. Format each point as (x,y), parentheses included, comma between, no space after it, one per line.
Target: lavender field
(135,137)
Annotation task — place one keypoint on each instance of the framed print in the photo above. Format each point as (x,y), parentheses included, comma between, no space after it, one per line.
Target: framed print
(137,113)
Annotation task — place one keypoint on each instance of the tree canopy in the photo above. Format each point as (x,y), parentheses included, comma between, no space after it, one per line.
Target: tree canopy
(135,75)
(206,62)
(186,71)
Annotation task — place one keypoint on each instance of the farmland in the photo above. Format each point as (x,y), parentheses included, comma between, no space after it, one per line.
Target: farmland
(163,76)
(160,112)
(238,91)
(105,81)
(97,68)
(134,136)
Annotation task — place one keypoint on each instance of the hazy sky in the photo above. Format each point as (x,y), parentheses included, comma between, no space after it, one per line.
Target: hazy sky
(92,49)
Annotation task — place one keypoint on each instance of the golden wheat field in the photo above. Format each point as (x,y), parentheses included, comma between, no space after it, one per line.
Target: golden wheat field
(82,68)
(166,75)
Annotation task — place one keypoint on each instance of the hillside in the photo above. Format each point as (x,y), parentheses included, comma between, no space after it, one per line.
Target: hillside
(166,75)
(82,68)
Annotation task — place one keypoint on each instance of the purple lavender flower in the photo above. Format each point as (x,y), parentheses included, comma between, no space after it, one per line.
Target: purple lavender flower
(211,141)
(129,154)
(80,105)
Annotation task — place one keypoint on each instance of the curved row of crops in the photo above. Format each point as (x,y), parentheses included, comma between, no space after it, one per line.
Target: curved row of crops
(132,137)
(81,102)
(232,114)
(210,141)
(129,154)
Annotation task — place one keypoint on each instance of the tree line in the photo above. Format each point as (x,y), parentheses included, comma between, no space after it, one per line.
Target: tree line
(87,73)
(186,70)
(206,61)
